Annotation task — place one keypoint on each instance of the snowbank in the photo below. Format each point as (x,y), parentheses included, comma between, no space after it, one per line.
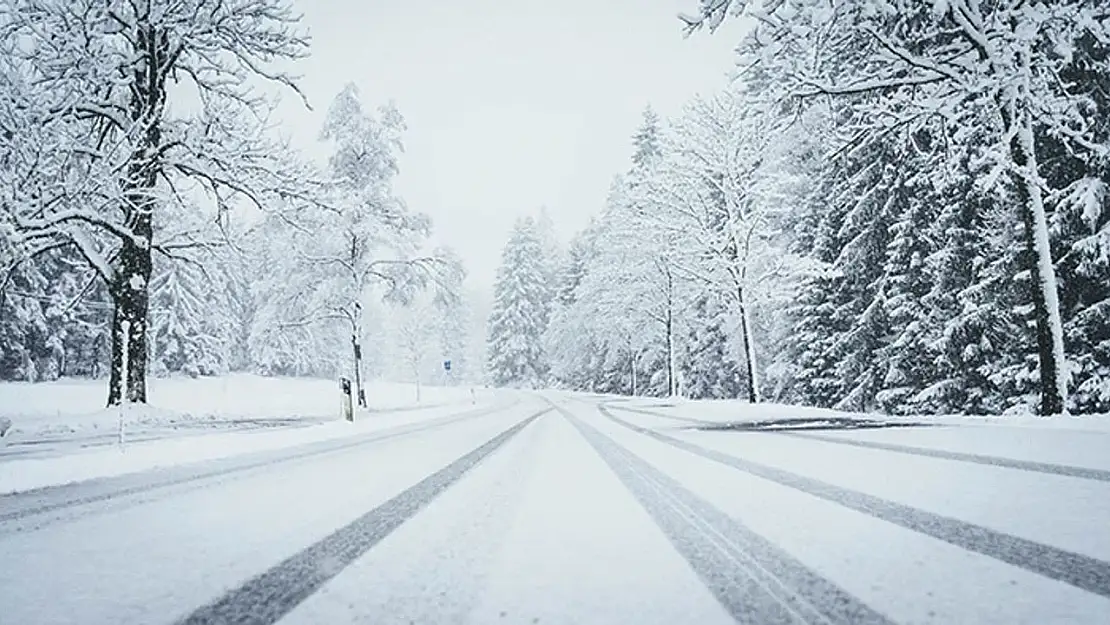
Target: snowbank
(735,411)
(71,408)
(138,454)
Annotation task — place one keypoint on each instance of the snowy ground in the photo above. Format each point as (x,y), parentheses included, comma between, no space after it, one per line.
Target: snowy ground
(53,417)
(587,513)
(731,411)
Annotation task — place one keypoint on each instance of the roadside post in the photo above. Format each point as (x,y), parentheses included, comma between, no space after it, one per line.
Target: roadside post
(124,379)
(346,407)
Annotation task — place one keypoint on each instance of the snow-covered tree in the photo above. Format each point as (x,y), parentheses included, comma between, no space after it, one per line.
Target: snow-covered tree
(519,318)
(361,237)
(706,187)
(95,157)
(415,345)
(952,68)
(452,313)
(189,331)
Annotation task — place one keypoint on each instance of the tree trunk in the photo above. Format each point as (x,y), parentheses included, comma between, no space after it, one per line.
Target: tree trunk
(749,348)
(632,365)
(1046,306)
(670,354)
(130,284)
(357,348)
(130,299)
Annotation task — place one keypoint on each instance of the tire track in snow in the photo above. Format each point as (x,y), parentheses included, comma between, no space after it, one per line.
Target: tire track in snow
(651,413)
(435,567)
(1101,475)
(998,461)
(1083,572)
(756,581)
(19,507)
(268,597)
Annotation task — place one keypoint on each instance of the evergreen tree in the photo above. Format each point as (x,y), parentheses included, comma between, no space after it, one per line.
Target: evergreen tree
(518,321)
(646,142)
(711,370)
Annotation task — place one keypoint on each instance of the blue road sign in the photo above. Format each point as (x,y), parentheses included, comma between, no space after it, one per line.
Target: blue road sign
(446,365)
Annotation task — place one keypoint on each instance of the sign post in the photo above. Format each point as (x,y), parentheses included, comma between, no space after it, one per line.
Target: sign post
(446,371)
(124,380)
(345,404)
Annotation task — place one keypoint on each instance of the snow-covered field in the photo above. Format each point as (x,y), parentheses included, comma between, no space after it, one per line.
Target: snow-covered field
(73,407)
(60,433)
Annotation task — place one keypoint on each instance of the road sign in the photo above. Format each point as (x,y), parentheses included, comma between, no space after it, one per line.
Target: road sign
(446,365)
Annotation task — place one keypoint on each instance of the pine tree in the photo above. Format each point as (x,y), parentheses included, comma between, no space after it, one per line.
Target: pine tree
(646,141)
(906,282)
(190,326)
(518,321)
(711,370)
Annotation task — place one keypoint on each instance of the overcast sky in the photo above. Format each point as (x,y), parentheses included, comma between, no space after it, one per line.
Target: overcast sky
(510,105)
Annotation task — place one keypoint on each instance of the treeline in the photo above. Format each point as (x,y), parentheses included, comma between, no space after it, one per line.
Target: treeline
(897,207)
(152,215)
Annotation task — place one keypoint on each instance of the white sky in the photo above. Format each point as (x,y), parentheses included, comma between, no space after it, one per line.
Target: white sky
(510,105)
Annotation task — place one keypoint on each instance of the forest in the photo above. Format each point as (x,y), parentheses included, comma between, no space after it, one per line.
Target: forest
(889,206)
(155,221)
(897,207)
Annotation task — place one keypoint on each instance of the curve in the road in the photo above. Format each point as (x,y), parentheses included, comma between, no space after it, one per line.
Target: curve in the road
(756,581)
(1083,572)
(268,597)
(23,505)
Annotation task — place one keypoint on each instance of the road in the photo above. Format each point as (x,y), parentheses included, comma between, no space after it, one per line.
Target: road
(558,508)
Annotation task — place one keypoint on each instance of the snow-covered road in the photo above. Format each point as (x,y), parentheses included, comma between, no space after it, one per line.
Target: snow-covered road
(571,509)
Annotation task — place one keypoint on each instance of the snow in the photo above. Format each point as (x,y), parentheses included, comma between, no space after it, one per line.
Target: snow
(737,411)
(151,561)
(272,413)
(541,533)
(1020,503)
(907,576)
(548,529)
(75,406)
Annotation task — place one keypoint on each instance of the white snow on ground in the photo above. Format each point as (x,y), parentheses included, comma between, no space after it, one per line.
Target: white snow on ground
(1062,511)
(76,406)
(910,577)
(541,532)
(723,411)
(163,557)
(20,474)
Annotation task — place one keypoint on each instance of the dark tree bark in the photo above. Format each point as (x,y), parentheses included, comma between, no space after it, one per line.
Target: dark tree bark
(1046,308)
(130,286)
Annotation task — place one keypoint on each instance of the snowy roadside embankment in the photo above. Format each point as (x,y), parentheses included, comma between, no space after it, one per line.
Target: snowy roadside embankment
(73,409)
(58,432)
(22,474)
(735,411)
